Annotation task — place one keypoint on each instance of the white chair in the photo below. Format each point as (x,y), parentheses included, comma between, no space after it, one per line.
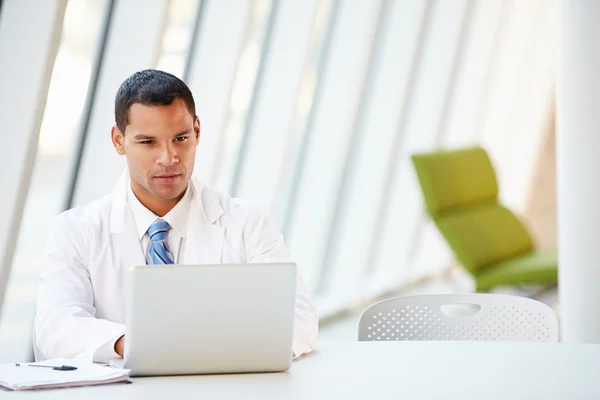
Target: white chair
(476,316)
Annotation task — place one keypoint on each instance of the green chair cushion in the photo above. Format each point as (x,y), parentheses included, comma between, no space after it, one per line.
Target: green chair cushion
(455,179)
(460,191)
(485,235)
(534,267)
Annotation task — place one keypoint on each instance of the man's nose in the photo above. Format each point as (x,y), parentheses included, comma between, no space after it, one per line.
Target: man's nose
(168,156)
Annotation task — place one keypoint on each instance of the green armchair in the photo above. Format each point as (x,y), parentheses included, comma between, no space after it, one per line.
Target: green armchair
(461,196)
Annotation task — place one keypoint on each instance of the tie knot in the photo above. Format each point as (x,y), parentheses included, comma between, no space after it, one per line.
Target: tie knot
(158,230)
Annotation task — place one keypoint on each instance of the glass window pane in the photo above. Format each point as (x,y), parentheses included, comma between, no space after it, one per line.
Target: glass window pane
(473,78)
(50,181)
(507,100)
(267,136)
(179,28)
(535,105)
(244,85)
(349,252)
(331,134)
(404,210)
(311,76)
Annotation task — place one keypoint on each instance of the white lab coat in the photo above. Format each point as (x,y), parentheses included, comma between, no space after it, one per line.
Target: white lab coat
(80,305)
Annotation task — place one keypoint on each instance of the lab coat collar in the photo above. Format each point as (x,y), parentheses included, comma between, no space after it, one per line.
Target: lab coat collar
(204,202)
(205,236)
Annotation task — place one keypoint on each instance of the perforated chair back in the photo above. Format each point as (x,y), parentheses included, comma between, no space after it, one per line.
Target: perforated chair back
(459,317)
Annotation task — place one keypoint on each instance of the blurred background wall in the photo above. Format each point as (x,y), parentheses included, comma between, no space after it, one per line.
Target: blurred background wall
(308,107)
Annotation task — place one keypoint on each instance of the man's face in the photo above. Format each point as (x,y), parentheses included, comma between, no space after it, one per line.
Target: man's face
(160,146)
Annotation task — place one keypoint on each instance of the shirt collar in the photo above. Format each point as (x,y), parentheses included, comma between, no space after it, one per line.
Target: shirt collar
(176,218)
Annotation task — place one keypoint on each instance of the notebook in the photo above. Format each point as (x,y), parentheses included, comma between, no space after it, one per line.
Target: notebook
(25,377)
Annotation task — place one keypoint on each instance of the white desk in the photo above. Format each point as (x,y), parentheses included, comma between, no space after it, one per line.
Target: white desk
(391,370)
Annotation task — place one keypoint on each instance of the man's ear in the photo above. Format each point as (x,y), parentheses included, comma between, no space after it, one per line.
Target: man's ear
(118,139)
(197,129)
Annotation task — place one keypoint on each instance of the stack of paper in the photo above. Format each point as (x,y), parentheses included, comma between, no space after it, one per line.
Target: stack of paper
(25,377)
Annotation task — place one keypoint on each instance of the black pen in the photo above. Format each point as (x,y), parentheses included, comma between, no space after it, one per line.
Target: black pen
(61,368)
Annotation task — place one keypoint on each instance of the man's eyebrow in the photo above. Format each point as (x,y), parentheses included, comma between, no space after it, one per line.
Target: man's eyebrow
(143,137)
(148,137)
(186,132)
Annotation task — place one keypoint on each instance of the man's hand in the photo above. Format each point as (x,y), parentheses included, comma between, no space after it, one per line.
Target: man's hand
(119,345)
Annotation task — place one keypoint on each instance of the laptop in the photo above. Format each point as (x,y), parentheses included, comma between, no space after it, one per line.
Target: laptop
(209,319)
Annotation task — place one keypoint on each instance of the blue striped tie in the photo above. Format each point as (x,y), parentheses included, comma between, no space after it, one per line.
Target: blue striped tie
(159,250)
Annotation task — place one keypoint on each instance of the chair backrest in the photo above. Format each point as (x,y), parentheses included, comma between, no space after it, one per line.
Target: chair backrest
(455,179)
(461,196)
(459,317)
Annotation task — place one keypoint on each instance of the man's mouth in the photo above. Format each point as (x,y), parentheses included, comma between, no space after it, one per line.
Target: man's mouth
(167,178)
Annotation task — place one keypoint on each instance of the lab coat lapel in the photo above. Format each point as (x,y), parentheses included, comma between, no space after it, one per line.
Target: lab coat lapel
(125,241)
(204,242)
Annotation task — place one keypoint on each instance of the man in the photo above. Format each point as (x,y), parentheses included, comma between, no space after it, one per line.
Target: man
(157,214)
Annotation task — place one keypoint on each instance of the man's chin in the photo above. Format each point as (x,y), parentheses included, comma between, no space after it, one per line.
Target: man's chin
(168,194)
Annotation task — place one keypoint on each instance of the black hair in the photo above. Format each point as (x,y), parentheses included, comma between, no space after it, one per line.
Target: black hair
(150,87)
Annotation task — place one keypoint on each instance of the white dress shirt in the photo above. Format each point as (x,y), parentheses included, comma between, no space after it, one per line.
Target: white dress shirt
(177,219)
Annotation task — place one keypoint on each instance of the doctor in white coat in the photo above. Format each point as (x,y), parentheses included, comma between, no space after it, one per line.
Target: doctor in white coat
(80,306)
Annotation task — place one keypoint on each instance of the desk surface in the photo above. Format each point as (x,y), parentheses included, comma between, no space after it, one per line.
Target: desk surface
(375,370)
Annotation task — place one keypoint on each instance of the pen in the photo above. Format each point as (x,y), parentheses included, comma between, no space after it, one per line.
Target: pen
(61,368)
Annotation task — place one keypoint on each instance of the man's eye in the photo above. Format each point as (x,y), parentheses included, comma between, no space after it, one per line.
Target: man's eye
(146,142)
(181,138)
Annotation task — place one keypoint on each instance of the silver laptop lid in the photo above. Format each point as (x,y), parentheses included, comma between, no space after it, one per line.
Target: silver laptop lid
(195,319)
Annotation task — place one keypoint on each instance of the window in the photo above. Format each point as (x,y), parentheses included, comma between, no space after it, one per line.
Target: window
(82,28)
